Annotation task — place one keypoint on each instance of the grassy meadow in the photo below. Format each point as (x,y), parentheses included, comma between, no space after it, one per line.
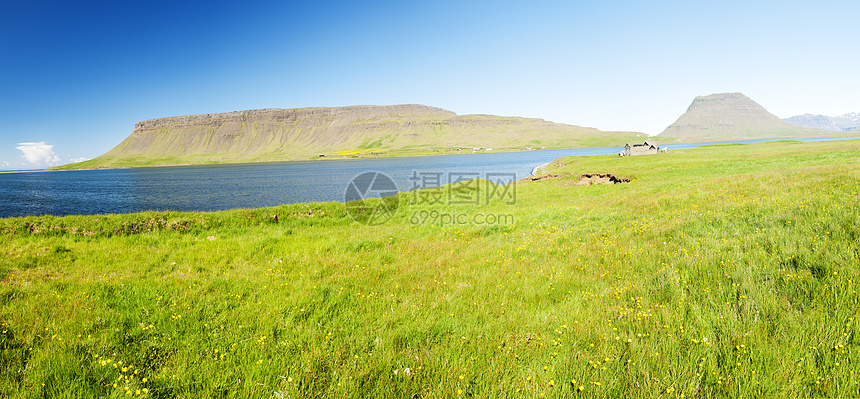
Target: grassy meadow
(718,272)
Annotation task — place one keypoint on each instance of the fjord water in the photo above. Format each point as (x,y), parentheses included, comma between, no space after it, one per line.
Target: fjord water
(220,187)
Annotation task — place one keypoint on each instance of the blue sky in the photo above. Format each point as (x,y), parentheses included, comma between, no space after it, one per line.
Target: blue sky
(76,76)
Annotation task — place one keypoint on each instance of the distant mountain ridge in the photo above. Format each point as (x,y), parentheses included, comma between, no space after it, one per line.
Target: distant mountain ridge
(731,115)
(843,123)
(273,134)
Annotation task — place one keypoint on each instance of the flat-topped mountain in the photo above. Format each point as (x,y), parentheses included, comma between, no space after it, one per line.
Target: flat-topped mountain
(732,115)
(843,123)
(270,135)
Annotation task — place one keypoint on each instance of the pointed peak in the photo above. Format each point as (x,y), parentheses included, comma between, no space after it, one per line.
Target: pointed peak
(731,115)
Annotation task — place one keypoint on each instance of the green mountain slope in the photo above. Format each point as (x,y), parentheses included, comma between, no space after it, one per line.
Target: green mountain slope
(732,115)
(271,135)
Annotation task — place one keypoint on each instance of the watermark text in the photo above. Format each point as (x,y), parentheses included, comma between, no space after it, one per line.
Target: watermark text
(449,218)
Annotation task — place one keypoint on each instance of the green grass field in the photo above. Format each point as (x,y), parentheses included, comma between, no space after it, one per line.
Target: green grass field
(717,272)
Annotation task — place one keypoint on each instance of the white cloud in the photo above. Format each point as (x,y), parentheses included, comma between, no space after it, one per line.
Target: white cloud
(39,153)
(6,164)
(74,160)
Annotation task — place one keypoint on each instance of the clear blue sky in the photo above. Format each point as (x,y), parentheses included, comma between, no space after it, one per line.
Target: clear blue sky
(76,75)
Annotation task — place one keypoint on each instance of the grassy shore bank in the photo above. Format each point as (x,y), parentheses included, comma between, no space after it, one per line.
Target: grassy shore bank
(613,140)
(724,271)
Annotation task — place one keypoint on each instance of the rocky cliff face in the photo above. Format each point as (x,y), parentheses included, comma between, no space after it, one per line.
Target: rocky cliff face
(344,114)
(266,135)
(731,115)
(244,135)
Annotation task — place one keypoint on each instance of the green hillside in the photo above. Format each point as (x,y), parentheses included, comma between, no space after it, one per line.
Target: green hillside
(270,135)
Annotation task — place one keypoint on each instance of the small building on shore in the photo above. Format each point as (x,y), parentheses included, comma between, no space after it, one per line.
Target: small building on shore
(645,148)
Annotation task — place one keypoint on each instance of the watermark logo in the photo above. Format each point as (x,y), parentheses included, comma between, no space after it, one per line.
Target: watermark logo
(433,189)
(371,198)
(462,188)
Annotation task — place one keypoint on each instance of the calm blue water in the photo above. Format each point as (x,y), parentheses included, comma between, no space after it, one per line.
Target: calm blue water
(219,187)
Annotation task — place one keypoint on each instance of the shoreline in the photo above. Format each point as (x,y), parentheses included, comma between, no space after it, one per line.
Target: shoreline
(535,171)
(671,142)
(539,167)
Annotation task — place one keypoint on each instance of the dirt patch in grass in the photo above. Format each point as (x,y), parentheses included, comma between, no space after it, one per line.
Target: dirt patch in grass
(585,179)
(544,177)
(600,178)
